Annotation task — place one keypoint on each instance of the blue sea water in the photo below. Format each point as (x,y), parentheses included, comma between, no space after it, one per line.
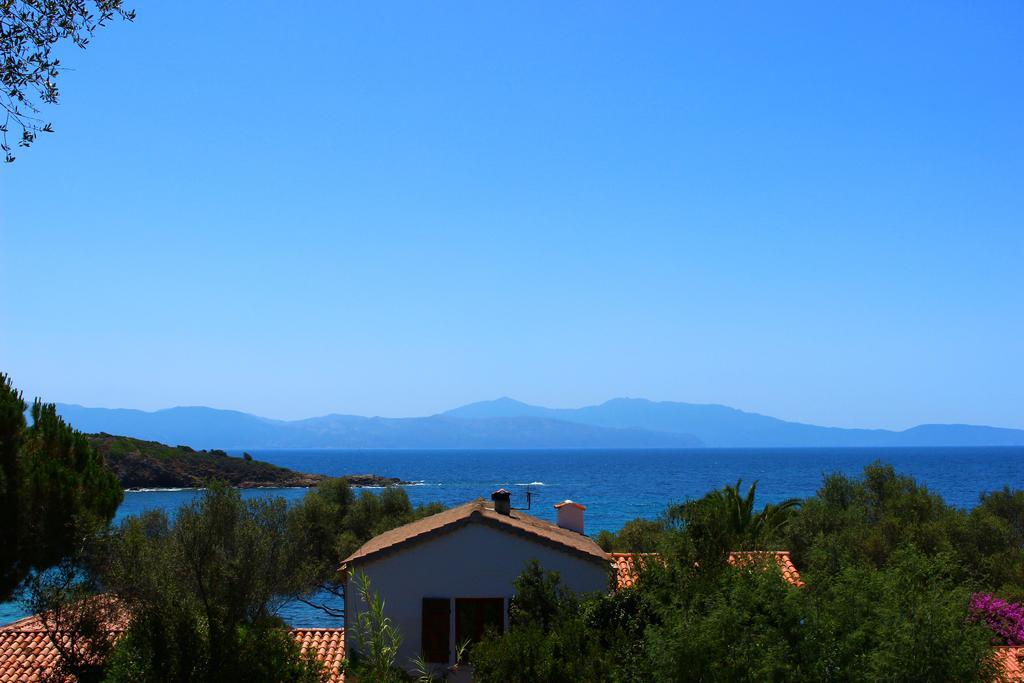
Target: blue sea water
(616,485)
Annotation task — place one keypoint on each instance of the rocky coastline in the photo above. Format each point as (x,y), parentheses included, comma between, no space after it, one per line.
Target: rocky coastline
(142,464)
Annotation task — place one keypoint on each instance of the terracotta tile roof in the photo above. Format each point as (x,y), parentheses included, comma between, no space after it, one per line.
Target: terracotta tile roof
(781,558)
(626,573)
(478,511)
(327,644)
(625,567)
(31,623)
(1010,660)
(35,623)
(27,655)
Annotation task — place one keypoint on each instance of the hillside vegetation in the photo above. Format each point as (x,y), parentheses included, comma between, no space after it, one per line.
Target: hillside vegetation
(149,464)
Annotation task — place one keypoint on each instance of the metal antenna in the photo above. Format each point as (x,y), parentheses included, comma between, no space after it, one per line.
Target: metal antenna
(530,493)
(529,497)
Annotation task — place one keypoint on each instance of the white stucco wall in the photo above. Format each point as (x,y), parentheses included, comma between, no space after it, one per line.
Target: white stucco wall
(474,561)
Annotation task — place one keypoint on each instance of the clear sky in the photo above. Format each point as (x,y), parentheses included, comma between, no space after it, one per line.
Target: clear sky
(811,210)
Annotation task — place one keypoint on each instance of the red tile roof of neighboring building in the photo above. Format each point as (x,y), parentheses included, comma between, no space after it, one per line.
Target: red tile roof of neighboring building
(327,644)
(27,655)
(478,511)
(625,565)
(1010,659)
(780,558)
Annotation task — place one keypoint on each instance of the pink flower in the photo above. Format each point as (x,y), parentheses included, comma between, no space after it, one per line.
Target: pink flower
(1006,619)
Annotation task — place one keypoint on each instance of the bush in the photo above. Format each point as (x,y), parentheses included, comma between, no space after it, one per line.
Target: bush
(555,635)
(890,569)
(203,592)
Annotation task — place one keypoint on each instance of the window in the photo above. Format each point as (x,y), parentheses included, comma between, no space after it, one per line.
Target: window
(474,616)
(436,622)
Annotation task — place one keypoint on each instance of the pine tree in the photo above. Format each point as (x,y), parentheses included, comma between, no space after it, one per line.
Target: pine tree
(54,488)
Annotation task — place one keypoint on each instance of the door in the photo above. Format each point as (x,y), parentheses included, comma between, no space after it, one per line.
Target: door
(475,616)
(436,624)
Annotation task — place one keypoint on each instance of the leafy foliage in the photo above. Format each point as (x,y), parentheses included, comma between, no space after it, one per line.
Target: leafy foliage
(636,536)
(727,517)
(203,591)
(379,639)
(332,521)
(890,569)
(547,640)
(727,625)
(721,521)
(865,521)
(30,32)
(54,489)
(906,621)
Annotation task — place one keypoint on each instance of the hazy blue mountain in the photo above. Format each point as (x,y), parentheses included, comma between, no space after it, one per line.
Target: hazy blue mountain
(717,425)
(211,428)
(506,423)
(196,426)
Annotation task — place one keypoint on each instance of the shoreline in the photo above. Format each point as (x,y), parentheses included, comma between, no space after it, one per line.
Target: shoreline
(172,489)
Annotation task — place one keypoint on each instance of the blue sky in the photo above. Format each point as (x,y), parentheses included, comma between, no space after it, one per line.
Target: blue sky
(807,210)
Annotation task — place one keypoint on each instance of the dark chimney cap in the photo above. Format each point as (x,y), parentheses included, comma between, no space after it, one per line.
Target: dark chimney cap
(502,501)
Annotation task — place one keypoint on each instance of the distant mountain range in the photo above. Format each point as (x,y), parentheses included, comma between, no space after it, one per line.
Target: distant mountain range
(506,423)
(722,426)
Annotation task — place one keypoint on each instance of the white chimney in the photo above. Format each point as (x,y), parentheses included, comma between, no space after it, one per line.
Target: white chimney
(570,516)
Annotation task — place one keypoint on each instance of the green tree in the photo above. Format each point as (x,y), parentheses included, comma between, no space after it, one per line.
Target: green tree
(203,591)
(549,638)
(729,625)
(30,31)
(54,489)
(735,517)
(636,536)
(876,607)
(991,542)
(905,622)
(331,522)
(864,521)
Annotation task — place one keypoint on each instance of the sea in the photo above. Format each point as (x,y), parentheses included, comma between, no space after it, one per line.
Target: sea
(615,485)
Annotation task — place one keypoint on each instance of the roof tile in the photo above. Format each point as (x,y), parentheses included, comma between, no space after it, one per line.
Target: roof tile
(627,565)
(327,644)
(483,512)
(1010,660)
(780,558)
(28,656)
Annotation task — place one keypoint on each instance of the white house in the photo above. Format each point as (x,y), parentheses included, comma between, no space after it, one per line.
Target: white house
(448,577)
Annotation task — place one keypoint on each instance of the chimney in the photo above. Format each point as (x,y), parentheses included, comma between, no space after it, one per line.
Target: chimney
(502,501)
(570,516)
